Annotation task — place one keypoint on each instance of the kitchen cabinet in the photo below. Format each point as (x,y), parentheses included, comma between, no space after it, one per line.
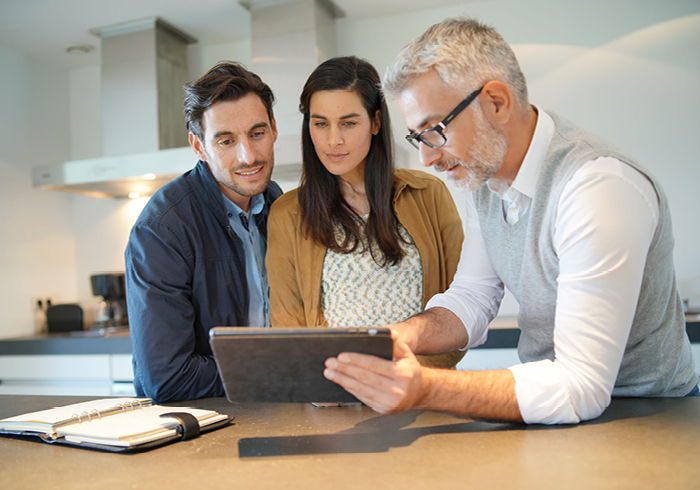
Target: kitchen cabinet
(64,365)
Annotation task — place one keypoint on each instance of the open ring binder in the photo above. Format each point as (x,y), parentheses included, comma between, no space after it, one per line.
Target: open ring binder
(115,424)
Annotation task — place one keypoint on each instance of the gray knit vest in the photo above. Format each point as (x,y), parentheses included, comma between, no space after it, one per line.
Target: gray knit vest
(658,359)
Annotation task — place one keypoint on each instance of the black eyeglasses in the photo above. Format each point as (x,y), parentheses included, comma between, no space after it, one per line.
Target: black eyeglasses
(435,137)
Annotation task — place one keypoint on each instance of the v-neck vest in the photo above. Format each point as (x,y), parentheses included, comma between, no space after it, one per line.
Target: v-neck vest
(524,257)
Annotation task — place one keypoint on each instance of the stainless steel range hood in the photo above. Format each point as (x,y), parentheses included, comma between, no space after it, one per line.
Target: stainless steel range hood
(144,66)
(133,175)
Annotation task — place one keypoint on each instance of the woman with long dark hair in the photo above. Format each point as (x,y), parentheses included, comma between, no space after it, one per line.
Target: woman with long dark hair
(359,243)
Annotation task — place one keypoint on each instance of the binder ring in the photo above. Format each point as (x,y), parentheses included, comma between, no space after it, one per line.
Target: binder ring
(99,415)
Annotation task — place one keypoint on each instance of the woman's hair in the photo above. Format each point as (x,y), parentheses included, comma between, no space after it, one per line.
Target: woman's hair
(465,53)
(225,81)
(322,204)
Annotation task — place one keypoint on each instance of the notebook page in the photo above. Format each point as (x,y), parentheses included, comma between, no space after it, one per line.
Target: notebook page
(45,420)
(135,427)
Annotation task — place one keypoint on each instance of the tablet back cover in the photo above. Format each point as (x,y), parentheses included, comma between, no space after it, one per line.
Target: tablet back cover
(280,365)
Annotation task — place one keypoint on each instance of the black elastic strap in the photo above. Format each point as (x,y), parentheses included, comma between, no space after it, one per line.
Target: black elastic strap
(188,423)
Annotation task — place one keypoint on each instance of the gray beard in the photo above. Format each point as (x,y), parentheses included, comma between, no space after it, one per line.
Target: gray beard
(485,158)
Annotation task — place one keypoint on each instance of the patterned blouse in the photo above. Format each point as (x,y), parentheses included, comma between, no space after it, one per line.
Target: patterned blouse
(357,292)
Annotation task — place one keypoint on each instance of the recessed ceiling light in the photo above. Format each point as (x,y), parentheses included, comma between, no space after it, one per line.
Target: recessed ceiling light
(80,49)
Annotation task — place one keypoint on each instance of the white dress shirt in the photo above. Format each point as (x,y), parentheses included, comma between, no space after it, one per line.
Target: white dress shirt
(601,268)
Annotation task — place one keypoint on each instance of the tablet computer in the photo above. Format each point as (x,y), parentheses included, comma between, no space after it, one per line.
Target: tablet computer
(286,364)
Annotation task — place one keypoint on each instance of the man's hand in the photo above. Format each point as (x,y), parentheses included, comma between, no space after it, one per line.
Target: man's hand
(385,386)
(405,333)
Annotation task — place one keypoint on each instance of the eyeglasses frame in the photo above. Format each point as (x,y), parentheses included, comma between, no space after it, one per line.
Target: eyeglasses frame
(416,138)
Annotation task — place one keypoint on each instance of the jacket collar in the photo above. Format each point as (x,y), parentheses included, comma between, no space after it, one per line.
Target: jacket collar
(214,198)
(212,195)
(405,178)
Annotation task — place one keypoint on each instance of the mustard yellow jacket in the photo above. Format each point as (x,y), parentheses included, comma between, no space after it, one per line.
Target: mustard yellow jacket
(423,205)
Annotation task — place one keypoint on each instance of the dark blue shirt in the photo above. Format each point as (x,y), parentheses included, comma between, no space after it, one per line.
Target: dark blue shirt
(185,274)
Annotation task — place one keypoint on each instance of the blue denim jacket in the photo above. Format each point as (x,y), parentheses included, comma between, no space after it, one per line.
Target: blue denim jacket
(185,274)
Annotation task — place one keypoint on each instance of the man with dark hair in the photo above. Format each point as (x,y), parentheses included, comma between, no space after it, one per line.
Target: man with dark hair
(195,257)
(575,228)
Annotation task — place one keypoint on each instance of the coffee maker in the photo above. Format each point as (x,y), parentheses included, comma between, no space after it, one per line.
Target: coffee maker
(111,312)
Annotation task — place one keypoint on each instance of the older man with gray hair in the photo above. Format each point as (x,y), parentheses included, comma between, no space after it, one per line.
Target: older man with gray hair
(575,228)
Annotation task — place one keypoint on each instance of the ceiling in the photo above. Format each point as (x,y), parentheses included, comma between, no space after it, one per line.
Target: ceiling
(42,29)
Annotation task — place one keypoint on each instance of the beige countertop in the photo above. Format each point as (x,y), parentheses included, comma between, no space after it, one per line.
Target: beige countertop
(636,444)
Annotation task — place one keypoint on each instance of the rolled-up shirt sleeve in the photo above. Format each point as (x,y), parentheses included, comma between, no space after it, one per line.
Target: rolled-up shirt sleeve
(606,219)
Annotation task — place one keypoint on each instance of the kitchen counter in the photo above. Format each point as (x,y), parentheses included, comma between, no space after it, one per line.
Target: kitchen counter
(637,444)
(67,344)
(63,364)
(504,333)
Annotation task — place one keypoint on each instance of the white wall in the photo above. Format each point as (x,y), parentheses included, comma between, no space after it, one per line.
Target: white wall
(626,69)
(37,244)
(201,58)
